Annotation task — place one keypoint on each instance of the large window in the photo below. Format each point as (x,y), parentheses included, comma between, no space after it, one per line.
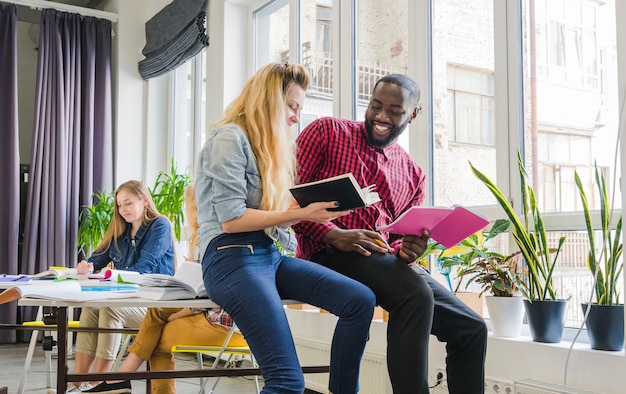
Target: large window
(379,49)
(535,75)
(275,25)
(464,102)
(188,84)
(571,123)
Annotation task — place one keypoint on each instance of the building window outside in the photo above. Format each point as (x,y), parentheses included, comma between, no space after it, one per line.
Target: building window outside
(567,42)
(470,96)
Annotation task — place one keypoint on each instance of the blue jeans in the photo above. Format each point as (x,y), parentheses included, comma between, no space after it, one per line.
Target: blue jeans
(248,277)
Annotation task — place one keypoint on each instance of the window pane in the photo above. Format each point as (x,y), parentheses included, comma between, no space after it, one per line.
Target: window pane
(380,50)
(272,33)
(571,124)
(316,32)
(576,106)
(464,106)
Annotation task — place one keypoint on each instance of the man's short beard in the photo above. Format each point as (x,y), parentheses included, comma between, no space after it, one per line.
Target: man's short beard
(395,133)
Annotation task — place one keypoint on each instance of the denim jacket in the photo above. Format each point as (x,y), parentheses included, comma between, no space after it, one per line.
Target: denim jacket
(152,251)
(227,183)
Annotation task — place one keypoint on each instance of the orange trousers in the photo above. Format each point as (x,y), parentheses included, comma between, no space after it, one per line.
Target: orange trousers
(157,336)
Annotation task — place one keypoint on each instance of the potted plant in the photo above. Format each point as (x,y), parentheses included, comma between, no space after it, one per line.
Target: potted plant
(498,276)
(168,194)
(94,221)
(605,316)
(544,311)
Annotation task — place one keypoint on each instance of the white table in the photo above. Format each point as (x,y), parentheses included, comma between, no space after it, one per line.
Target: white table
(63,376)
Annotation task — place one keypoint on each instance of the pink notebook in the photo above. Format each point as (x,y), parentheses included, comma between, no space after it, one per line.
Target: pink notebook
(448,226)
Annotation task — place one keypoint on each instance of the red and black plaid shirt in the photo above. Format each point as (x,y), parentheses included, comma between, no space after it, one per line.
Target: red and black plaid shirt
(332,146)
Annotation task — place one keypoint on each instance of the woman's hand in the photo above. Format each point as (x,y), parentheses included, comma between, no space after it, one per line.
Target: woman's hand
(84,268)
(318,212)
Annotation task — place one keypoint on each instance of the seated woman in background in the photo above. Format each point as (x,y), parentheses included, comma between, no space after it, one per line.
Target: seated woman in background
(165,327)
(138,239)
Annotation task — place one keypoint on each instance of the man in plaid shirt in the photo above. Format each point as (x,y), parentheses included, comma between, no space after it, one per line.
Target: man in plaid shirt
(417,304)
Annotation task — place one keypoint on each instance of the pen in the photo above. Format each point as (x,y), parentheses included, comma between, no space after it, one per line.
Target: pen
(381,243)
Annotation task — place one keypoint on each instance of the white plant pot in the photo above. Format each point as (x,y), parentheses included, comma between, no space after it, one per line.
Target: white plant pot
(506,314)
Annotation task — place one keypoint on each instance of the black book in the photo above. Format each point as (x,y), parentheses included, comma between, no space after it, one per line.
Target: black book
(343,188)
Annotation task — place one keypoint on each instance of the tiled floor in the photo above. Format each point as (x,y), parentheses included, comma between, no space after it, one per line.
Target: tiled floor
(12,358)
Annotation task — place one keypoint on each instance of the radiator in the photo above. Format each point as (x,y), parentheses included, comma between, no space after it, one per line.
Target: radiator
(373,377)
(531,386)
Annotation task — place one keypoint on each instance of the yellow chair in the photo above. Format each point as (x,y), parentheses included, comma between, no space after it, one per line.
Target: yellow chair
(218,352)
(41,326)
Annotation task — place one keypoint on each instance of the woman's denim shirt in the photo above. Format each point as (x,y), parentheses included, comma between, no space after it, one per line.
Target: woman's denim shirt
(152,251)
(227,183)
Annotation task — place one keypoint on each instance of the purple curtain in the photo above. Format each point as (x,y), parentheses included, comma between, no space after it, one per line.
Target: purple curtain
(72,152)
(9,159)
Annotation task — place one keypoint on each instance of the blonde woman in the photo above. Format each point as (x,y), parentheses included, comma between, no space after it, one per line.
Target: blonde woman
(242,190)
(139,239)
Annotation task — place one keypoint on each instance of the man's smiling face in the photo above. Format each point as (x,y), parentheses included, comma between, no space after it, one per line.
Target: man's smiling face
(387,115)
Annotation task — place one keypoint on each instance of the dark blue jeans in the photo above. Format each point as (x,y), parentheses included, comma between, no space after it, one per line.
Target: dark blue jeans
(248,277)
(418,306)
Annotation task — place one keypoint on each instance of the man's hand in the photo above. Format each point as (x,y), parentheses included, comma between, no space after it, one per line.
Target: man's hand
(413,246)
(360,241)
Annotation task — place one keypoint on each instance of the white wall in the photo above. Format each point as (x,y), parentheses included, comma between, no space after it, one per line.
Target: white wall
(141,109)
(508,360)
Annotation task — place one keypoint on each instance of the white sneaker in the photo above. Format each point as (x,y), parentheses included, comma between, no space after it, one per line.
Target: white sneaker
(84,386)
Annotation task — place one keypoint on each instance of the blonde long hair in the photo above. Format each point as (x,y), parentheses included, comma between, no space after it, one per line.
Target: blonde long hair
(260,110)
(191,218)
(118,224)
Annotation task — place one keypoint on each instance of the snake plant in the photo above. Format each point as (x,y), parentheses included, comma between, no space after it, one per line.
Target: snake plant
(609,247)
(530,235)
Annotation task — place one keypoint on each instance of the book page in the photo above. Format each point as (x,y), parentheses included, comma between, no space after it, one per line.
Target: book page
(40,289)
(190,273)
(56,273)
(369,194)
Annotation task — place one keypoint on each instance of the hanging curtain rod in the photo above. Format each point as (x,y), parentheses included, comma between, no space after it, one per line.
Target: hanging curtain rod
(41,4)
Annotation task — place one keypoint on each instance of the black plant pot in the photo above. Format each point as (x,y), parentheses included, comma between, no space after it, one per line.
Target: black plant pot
(605,326)
(545,319)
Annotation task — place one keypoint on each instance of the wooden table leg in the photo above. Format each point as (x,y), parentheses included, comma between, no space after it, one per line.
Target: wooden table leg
(61,349)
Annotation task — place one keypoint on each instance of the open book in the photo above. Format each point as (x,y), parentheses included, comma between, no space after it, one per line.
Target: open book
(67,290)
(448,226)
(187,283)
(56,272)
(343,188)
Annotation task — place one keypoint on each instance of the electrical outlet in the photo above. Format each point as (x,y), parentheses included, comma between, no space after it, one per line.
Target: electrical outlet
(496,386)
(443,382)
